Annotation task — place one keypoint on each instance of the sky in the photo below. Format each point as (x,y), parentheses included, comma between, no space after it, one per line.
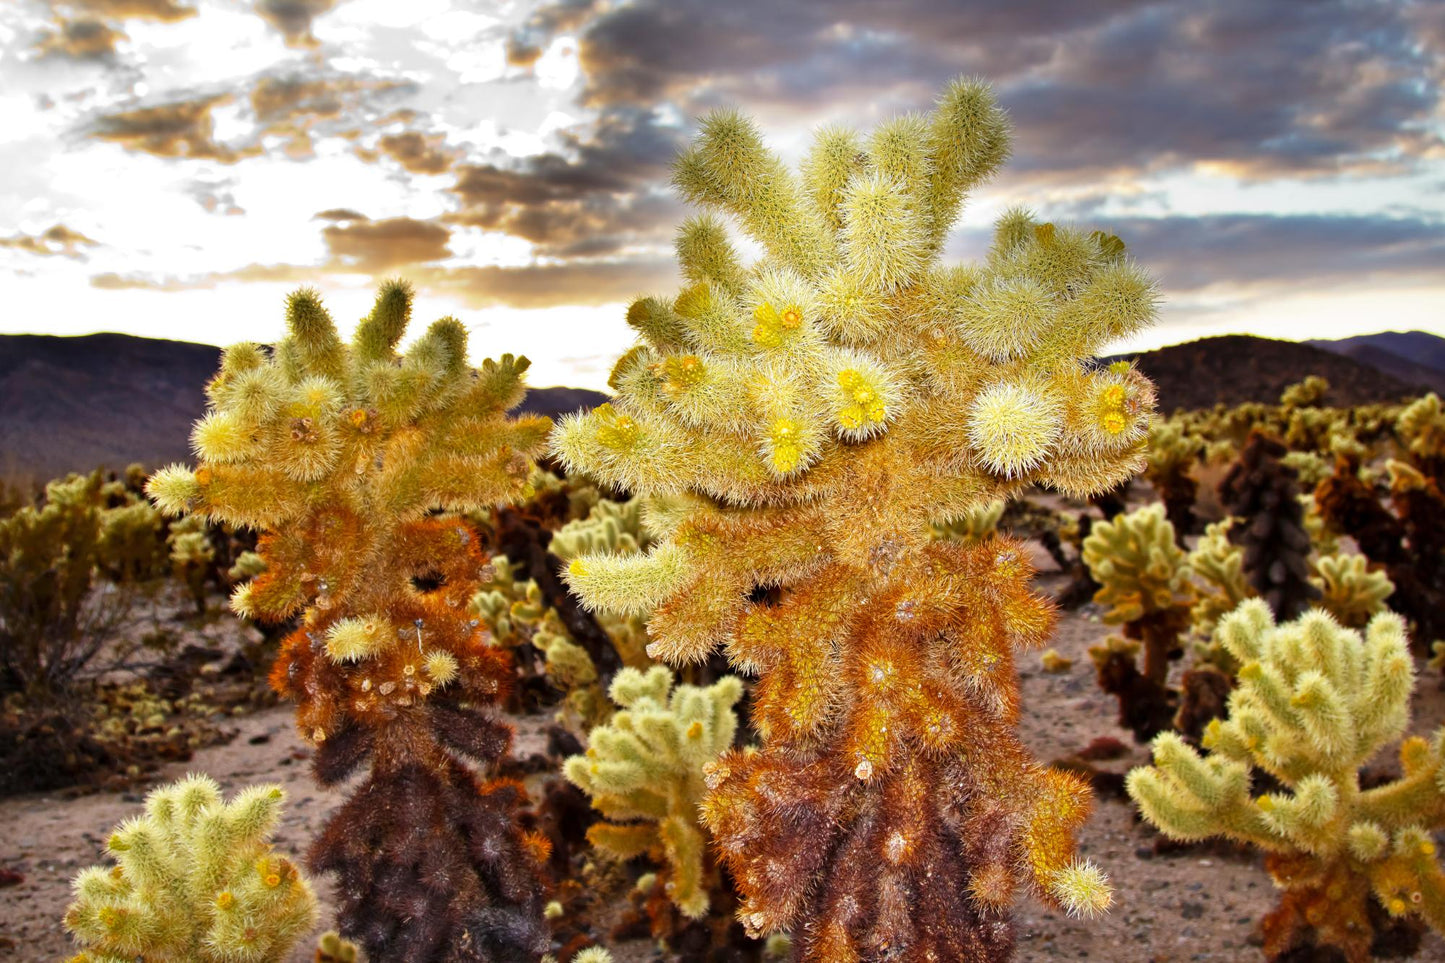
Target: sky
(172,168)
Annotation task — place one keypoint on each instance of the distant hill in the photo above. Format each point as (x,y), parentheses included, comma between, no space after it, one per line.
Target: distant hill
(1412,356)
(72,404)
(1237,368)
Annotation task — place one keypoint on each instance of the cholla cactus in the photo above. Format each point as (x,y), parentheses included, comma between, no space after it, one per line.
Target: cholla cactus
(1173,452)
(1314,702)
(1262,493)
(132,539)
(1218,564)
(195,881)
(1145,582)
(339,454)
(974,525)
(1350,590)
(1309,468)
(1421,429)
(1408,538)
(52,623)
(823,407)
(332,948)
(1307,393)
(517,613)
(610,527)
(644,772)
(191,556)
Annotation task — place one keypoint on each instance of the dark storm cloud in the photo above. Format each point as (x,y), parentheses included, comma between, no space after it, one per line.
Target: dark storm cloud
(374,246)
(1337,88)
(293,18)
(57,240)
(1258,90)
(804,55)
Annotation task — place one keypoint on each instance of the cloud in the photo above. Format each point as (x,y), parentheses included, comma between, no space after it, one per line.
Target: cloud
(80,40)
(215,196)
(182,128)
(1187,254)
(418,153)
(1240,250)
(527,42)
(90,29)
(580,284)
(1253,90)
(376,246)
(294,108)
(293,18)
(165,11)
(251,273)
(599,194)
(58,240)
(282,98)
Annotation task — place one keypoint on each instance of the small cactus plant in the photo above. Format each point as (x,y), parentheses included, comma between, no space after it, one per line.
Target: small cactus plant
(332,948)
(1262,493)
(195,881)
(1350,590)
(1314,702)
(1145,582)
(645,773)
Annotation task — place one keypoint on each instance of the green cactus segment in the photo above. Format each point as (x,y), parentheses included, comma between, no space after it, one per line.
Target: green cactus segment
(1135,559)
(195,881)
(975,524)
(1314,702)
(1350,590)
(1220,585)
(645,773)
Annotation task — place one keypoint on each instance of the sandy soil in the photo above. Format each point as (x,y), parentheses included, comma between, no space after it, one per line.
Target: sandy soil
(1193,905)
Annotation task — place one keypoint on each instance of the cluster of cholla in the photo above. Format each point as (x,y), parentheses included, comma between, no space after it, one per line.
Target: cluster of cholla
(340,454)
(819,410)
